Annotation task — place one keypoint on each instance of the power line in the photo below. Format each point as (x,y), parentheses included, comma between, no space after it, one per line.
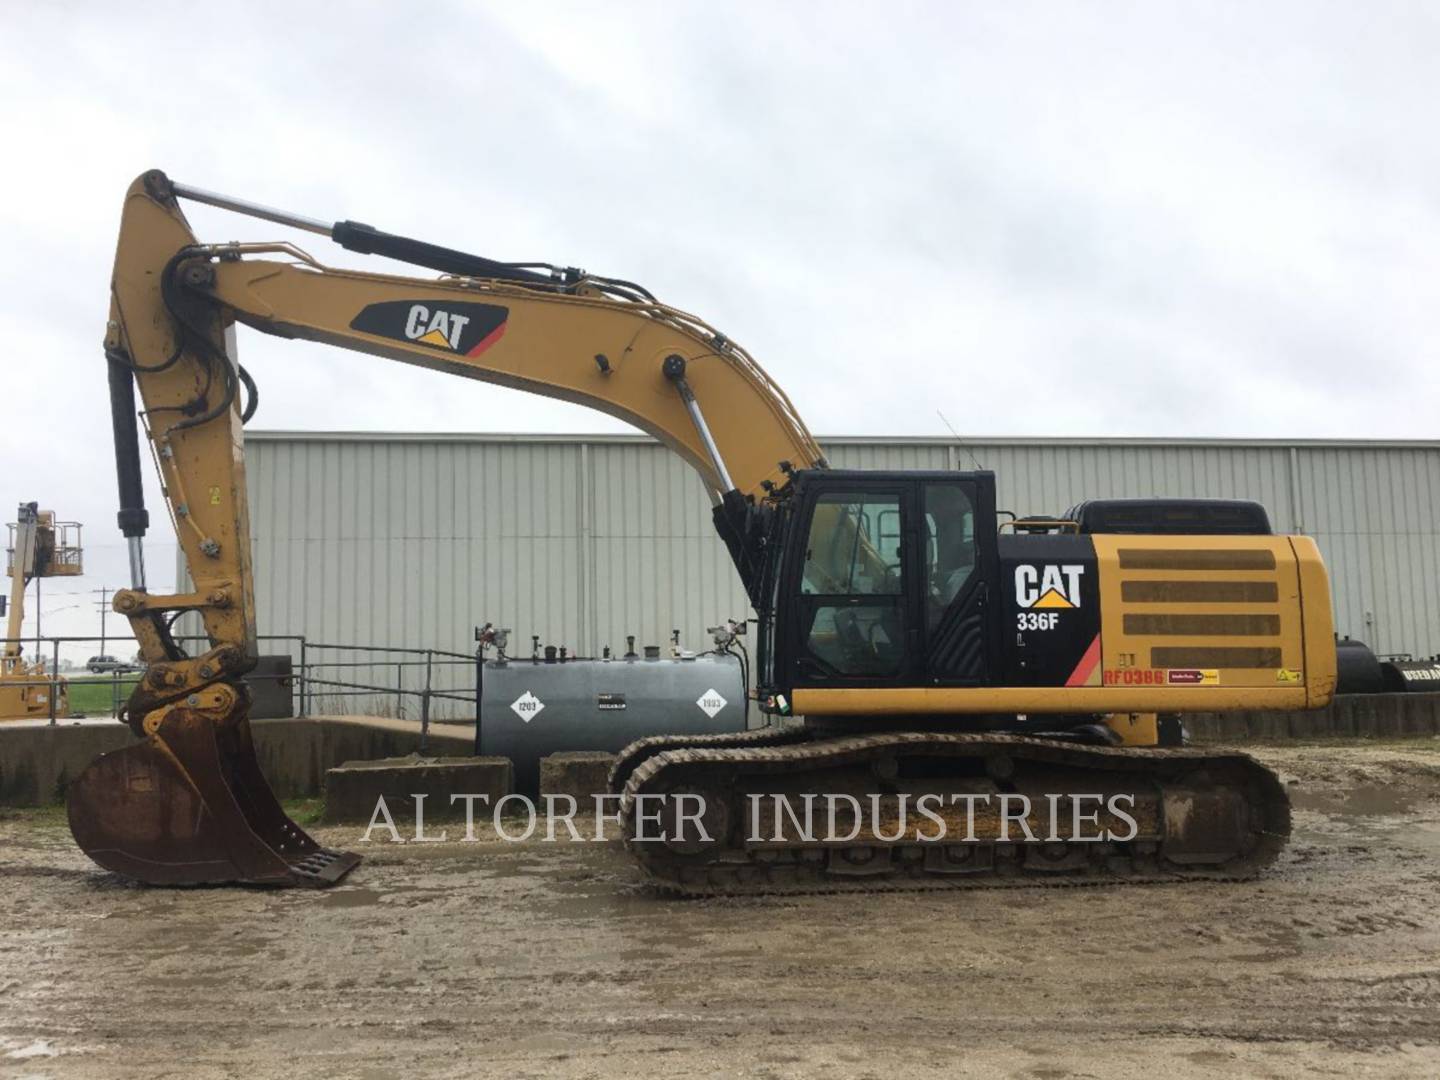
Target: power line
(958,439)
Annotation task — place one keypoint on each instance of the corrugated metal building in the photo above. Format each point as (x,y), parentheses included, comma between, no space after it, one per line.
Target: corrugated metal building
(399,539)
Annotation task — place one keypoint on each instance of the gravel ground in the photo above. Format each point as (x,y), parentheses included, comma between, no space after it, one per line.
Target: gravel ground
(535,959)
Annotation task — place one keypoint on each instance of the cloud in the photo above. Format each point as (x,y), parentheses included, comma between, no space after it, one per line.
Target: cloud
(1082,219)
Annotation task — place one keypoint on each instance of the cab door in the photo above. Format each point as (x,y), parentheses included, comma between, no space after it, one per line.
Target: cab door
(957,579)
(853,593)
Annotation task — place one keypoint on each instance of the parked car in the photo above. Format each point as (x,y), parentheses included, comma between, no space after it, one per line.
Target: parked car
(99,665)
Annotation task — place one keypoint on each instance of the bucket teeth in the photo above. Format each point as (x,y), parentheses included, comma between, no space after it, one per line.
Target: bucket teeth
(188,805)
(324,867)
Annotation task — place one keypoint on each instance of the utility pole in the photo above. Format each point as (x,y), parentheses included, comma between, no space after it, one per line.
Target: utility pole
(104,608)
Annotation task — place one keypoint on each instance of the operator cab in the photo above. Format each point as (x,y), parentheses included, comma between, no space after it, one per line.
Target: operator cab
(891,579)
(883,580)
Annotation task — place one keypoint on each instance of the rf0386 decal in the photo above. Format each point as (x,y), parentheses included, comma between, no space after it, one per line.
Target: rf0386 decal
(448,326)
(1162,677)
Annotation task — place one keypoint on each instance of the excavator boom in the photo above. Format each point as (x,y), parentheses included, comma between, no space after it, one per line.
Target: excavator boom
(188,804)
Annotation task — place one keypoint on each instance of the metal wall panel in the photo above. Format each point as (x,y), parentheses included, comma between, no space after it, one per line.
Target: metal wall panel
(1376,516)
(412,540)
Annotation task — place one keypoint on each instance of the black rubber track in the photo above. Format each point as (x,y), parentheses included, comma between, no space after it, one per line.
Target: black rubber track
(737,871)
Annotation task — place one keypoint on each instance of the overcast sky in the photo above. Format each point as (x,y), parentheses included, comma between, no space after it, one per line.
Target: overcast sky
(1044,219)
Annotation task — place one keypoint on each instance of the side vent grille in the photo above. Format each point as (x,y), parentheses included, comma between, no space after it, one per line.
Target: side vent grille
(1197,559)
(1250,614)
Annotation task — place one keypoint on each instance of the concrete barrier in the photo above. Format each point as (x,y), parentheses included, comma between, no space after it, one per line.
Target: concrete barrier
(1364,716)
(38,760)
(581,774)
(353,789)
(364,738)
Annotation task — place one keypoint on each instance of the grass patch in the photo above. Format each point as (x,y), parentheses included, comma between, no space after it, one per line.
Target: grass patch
(96,696)
(306,810)
(49,814)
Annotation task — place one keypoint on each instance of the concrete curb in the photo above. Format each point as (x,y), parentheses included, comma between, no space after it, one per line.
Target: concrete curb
(38,760)
(1373,716)
(581,774)
(354,789)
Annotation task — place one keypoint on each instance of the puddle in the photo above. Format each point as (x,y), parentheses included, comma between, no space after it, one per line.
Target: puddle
(350,898)
(40,1048)
(1368,800)
(404,895)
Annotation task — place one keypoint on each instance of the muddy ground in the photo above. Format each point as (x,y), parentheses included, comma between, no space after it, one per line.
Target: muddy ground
(538,960)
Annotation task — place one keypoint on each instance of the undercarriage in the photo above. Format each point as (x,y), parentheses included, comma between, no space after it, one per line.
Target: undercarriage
(786,810)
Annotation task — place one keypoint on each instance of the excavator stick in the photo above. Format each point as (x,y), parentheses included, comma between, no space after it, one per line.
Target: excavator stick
(187,803)
(189,806)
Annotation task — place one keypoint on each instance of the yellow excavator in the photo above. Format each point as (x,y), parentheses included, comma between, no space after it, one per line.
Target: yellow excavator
(910,644)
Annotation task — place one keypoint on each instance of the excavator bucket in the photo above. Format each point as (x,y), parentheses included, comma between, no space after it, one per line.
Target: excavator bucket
(189,806)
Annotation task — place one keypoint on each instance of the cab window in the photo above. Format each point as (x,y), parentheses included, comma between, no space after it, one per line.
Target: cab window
(949,547)
(853,571)
(854,546)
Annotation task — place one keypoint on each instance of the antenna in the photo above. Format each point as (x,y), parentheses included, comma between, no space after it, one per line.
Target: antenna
(958,439)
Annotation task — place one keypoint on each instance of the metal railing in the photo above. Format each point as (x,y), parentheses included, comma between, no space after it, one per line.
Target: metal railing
(323,677)
(332,687)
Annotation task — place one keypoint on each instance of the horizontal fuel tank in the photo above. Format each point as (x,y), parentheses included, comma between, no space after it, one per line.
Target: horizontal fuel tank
(1357,671)
(532,708)
(1411,676)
